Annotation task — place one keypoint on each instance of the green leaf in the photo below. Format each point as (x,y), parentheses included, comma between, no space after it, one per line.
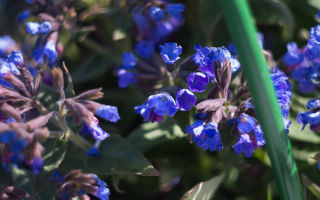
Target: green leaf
(204,190)
(314,188)
(117,156)
(272,12)
(306,135)
(182,119)
(151,134)
(54,154)
(23,179)
(48,97)
(5,176)
(92,68)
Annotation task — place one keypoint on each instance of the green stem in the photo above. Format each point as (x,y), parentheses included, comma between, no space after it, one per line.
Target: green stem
(241,28)
(68,134)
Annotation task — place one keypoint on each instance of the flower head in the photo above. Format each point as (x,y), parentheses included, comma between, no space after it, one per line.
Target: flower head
(170,52)
(185,99)
(244,145)
(156,13)
(197,81)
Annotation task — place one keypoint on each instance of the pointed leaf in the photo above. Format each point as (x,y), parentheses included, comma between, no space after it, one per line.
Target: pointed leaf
(117,156)
(204,190)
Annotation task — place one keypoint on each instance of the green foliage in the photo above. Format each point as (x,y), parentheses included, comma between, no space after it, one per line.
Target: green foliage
(204,190)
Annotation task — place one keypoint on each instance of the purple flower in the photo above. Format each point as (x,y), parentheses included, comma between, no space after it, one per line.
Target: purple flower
(170,52)
(185,99)
(246,123)
(156,13)
(197,81)
(125,78)
(45,27)
(235,64)
(175,10)
(33,28)
(7,137)
(19,145)
(103,193)
(109,113)
(162,104)
(244,145)
(50,50)
(211,129)
(129,60)
(144,49)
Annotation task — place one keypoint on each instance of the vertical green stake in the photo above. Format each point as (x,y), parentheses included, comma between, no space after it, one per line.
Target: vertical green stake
(254,66)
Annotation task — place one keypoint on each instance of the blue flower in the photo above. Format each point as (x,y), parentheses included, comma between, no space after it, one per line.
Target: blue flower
(7,137)
(211,129)
(144,49)
(38,54)
(196,128)
(97,132)
(294,55)
(16,58)
(197,81)
(201,56)
(258,134)
(144,111)
(6,43)
(246,123)
(129,60)
(29,1)
(103,193)
(170,52)
(50,50)
(125,78)
(109,113)
(205,136)
(33,28)
(4,69)
(17,158)
(313,103)
(93,152)
(185,99)
(219,54)
(45,27)
(162,104)
(235,64)
(37,165)
(23,16)
(244,145)
(175,10)
(156,13)
(19,145)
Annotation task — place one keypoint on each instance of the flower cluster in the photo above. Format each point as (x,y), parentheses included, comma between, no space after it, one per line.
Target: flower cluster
(77,184)
(304,63)
(223,106)
(155,20)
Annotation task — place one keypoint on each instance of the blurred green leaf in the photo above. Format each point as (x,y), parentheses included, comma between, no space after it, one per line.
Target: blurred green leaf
(92,68)
(48,97)
(54,154)
(23,179)
(150,134)
(306,135)
(204,190)
(182,119)
(272,12)
(117,156)
(5,176)
(314,188)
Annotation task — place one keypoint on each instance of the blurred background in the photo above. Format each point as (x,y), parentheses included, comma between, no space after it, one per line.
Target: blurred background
(103,30)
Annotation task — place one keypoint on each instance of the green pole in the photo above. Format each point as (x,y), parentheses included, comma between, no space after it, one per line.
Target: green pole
(240,24)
